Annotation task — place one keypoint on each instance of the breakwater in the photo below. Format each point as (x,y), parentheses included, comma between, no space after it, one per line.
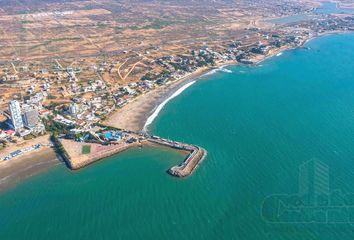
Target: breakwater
(75,159)
(194,158)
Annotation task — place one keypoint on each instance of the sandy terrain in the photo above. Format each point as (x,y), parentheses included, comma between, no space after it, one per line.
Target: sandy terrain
(20,145)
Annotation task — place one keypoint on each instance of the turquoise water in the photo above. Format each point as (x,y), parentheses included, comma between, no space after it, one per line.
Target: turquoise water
(259,125)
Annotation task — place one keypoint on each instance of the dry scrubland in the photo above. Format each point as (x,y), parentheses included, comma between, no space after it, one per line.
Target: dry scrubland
(85,28)
(131,34)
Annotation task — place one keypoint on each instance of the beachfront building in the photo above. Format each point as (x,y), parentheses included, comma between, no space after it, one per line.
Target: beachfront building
(16,115)
(30,118)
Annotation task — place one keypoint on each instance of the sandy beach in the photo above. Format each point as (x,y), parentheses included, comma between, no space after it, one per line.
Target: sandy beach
(133,116)
(14,171)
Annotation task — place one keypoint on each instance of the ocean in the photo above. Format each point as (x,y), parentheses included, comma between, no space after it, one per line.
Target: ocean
(280,162)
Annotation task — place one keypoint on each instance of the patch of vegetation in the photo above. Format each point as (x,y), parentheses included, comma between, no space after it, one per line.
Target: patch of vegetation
(134,28)
(55,128)
(101,25)
(50,96)
(26,21)
(65,39)
(86,149)
(2,144)
(107,128)
(118,29)
(148,76)
(157,24)
(29,136)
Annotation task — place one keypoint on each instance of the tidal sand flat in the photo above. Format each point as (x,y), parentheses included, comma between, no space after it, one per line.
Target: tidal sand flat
(260,125)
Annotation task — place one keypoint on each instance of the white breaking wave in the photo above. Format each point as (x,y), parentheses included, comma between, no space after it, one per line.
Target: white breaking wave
(279,54)
(160,107)
(220,69)
(225,70)
(211,72)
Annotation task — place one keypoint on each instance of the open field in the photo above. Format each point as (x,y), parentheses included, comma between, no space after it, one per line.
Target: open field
(72,28)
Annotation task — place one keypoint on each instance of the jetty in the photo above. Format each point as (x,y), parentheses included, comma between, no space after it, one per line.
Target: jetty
(78,154)
(194,158)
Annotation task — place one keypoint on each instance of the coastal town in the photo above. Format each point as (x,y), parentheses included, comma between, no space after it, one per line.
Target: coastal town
(176,119)
(76,100)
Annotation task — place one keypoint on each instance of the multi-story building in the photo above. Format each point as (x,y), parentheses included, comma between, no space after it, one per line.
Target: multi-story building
(16,114)
(73,109)
(30,118)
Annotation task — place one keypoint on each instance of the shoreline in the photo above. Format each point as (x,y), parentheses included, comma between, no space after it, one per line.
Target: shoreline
(135,114)
(157,110)
(139,114)
(18,170)
(145,106)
